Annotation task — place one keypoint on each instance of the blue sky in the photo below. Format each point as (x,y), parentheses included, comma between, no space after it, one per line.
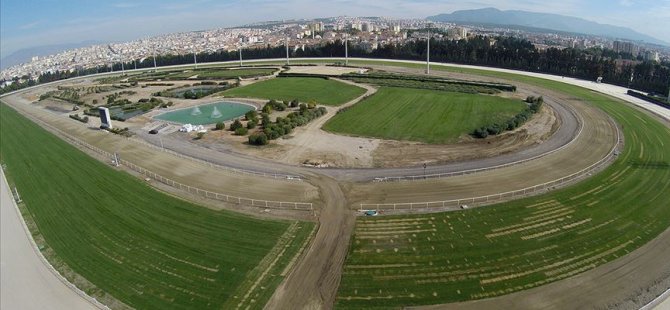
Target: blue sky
(28,23)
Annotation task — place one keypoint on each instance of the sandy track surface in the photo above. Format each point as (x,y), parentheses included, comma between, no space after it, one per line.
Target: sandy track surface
(25,281)
(313,282)
(185,171)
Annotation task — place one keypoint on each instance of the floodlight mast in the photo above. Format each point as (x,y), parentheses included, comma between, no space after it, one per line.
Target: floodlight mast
(346,50)
(195,60)
(428,53)
(153,48)
(288,62)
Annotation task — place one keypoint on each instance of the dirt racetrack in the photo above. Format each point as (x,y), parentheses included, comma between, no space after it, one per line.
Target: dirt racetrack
(314,280)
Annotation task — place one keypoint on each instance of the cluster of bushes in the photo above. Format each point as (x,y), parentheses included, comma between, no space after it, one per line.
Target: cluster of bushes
(387,78)
(79,118)
(195,94)
(535,104)
(279,106)
(655,100)
(157,84)
(305,75)
(284,125)
(121,131)
(68,95)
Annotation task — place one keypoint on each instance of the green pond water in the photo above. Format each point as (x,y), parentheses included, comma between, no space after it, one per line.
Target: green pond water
(206,113)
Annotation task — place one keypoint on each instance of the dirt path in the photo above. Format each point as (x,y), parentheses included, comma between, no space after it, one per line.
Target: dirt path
(313,143)
(314,281)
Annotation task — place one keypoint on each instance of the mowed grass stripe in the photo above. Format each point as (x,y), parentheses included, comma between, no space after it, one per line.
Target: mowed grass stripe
(145,248)
(619,210)
(428,116)
(326,92)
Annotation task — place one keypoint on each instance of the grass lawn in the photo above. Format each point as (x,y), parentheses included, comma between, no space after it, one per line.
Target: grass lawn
(145,248)
(428,116)
(485,252)
(327,92)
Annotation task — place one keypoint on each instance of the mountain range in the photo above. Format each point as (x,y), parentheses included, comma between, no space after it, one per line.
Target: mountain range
(492,16)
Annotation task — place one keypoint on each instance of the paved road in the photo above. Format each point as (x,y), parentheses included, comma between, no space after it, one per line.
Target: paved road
(25,281)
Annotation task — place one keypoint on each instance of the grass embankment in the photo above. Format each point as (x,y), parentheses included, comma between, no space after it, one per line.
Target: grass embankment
(428,116)
(484,252)
(327,92)
(145,248)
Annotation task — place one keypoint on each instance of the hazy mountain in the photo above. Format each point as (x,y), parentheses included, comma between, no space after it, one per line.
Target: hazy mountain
(24,55)
(545,21)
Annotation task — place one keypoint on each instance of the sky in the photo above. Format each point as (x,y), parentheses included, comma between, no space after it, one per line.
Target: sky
(29,23)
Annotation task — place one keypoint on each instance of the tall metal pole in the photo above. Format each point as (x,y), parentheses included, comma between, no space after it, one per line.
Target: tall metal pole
(288,62)
(240,56)
(195,60)
(123,69)
(428,54)
(154,52)
(346,51)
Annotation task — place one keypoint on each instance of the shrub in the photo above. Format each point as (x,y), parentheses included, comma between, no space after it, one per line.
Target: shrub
(303,107)
(252,124)
(258,139)
(220,126)
(242,131)
(251,115)
(311,104)
(199,135)
(294,103)
(235,125)
(267,109)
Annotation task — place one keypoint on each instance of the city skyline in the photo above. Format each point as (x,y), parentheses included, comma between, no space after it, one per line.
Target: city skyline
(26,24)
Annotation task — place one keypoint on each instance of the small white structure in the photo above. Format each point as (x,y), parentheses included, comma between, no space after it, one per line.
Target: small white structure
(105,118)
(189,128)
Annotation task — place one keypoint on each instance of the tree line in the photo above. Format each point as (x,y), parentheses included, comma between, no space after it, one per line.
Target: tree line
(502,52)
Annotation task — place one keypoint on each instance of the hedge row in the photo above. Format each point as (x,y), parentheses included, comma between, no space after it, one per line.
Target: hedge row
(382,76)
(654,100)
(512,123)
(283,126)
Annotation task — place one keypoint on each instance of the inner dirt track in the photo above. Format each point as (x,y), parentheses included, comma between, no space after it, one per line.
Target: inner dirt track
(586,136)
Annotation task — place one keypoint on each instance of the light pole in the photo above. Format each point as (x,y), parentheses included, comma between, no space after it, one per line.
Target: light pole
(346,50)
(195,60)
(240,56)
(288,62)
(428,53)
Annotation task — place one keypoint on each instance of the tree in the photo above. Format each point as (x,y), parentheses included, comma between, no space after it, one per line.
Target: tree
(251,115)
(311,104)
(235,125)
(252,124)
(258,139)
(294,103)
(242,131)
(303,108)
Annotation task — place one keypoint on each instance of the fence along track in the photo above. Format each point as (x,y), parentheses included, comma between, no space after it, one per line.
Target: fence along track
(259,203)
(278,176)
(472,171)
(501,196)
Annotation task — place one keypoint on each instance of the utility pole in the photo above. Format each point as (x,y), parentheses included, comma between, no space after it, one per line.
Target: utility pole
(428,54)
(288,62)
(195,60)
(240,56)
(154,53)
(346,50)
